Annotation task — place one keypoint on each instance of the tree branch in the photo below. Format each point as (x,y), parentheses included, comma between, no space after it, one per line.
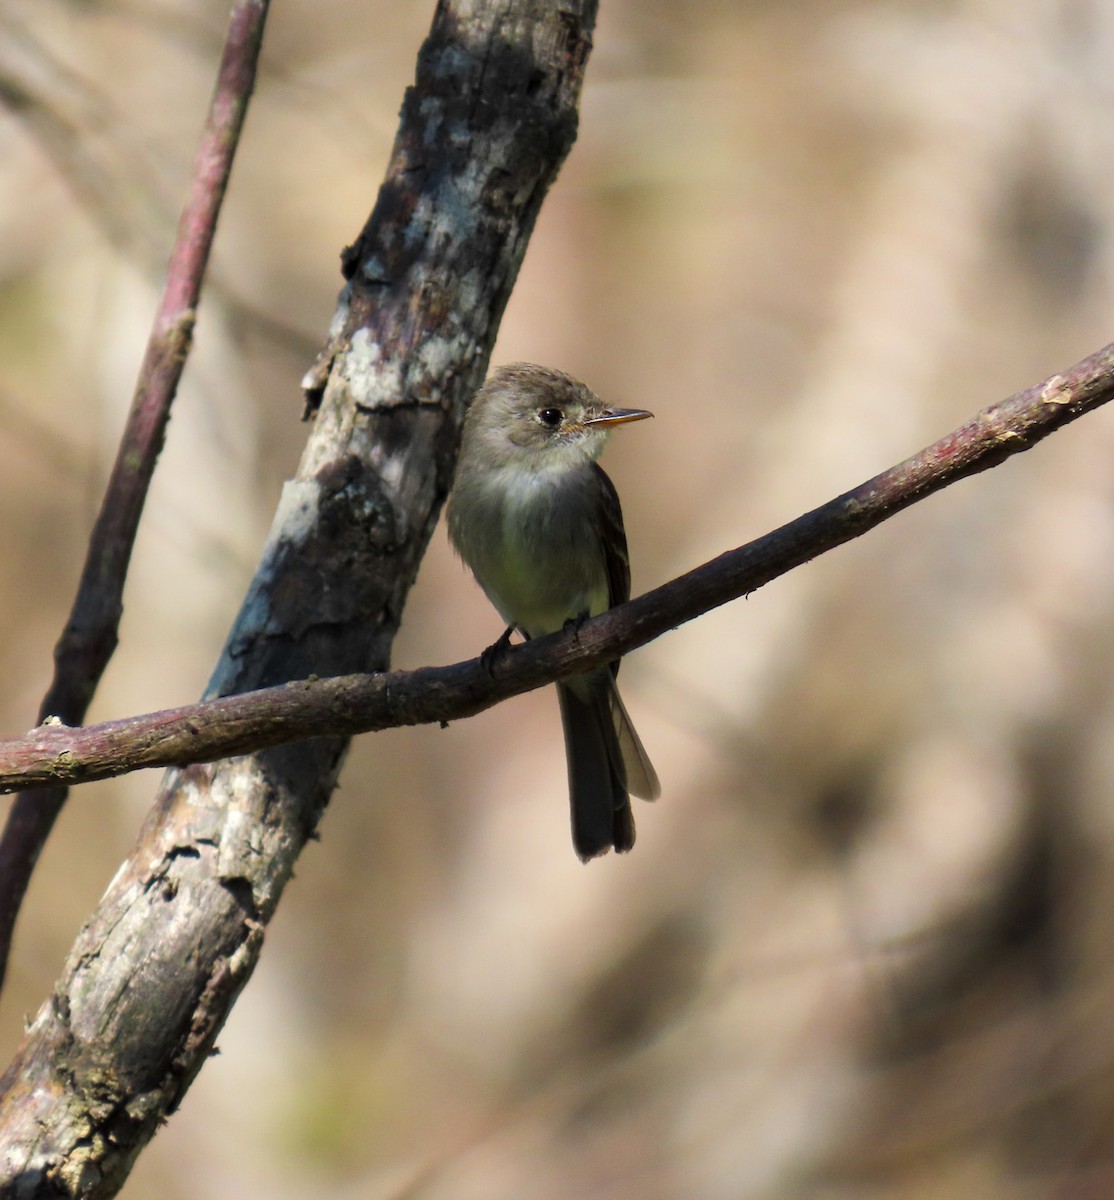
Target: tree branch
(154,973)
(353,704)
(91,633)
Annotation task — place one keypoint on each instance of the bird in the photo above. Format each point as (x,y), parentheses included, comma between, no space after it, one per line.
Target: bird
(538,522)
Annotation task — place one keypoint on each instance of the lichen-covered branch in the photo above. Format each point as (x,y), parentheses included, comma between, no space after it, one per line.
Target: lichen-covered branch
(153,974)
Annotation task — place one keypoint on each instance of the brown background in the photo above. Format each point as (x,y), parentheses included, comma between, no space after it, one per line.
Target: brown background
(863,946)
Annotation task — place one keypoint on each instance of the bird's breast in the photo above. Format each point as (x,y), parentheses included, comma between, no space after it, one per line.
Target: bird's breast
(532,541)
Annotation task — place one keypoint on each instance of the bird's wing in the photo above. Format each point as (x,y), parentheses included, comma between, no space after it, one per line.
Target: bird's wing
(614,540)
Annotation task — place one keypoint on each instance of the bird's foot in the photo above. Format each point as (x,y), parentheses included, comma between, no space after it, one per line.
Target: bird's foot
(575,623)
(496,650)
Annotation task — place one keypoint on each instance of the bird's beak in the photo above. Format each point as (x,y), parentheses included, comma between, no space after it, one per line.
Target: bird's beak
(619,416)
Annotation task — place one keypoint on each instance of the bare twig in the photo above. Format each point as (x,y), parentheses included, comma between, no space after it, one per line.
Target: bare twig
(90,636)
(353,704)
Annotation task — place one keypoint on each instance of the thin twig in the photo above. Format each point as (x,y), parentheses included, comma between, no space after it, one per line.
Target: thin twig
(90,635)
(352,704)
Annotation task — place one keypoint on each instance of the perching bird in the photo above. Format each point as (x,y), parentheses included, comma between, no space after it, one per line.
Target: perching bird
(539,523)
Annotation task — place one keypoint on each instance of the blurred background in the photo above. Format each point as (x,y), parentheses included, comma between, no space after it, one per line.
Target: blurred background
(863,945)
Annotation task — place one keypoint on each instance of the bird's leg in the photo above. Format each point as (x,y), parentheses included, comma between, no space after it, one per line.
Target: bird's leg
(496,650)
(576,622)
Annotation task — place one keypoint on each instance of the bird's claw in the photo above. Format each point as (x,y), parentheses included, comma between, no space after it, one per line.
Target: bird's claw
(576,622)
(494,652)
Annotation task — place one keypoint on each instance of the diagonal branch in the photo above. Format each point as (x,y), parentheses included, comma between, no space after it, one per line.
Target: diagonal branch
(90,636)
(153,974)
(353,704)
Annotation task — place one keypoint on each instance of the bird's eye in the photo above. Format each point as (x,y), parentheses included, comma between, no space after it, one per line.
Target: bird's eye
(551,417)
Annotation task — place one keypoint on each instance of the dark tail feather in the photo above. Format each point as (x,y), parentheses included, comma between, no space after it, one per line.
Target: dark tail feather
(601,812)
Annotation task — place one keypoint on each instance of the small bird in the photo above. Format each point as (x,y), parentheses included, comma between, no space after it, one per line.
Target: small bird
(539,524)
